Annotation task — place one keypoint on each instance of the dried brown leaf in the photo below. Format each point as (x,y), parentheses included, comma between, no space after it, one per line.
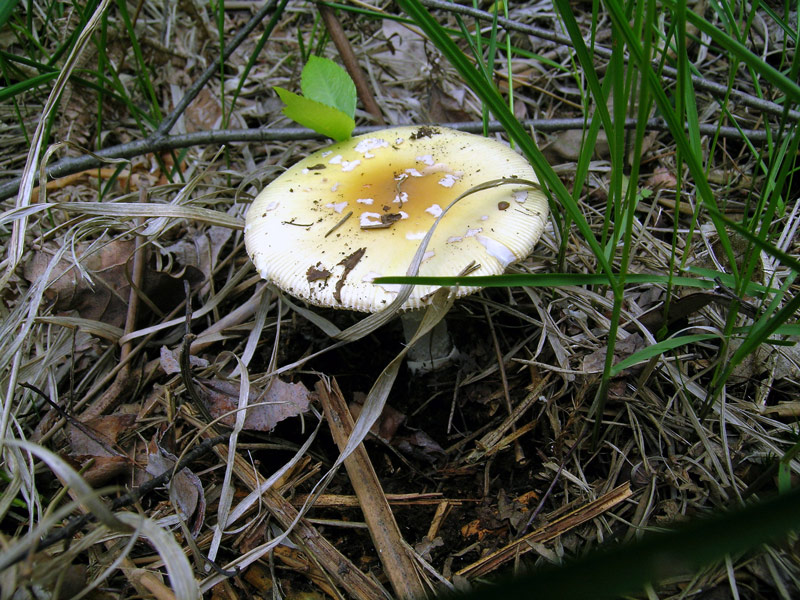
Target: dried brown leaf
(422,446)
(170,361)
(654,319)
(594,362)
(204,113)
(185,489)
(387,424)
(280,401)
(199,251)
(567,145)
(99,435)
(662,178)
(101,292)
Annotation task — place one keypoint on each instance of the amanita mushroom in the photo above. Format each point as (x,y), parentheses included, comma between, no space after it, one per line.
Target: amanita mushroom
(357,210)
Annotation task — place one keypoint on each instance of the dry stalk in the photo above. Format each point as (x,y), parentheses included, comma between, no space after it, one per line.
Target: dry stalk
(490,563)
(397,562)
(350,61)
(338,567)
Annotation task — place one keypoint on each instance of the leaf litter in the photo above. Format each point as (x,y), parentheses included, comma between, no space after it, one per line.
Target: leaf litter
(659,462)
(265,408)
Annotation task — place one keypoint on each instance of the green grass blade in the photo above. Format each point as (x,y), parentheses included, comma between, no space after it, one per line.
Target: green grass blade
(143,71)
(6,9)
(737,49)
(251,61)
(10,91)
(545,280)
(658,349)
(512,126)
(674,123)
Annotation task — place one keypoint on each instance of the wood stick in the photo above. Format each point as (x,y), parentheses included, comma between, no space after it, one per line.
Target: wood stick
(350,61)
(339,568)
(398,564)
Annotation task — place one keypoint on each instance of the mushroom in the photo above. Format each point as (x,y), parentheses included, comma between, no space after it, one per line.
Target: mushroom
(357,210)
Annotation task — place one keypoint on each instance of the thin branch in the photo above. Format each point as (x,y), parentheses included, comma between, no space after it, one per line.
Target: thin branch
(342,43)
(69,166)
(699,82)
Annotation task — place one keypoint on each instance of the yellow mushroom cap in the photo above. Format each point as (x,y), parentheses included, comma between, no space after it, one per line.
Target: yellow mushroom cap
(393,184)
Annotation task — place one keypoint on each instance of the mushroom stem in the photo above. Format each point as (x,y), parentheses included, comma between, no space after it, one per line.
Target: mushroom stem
(433,351)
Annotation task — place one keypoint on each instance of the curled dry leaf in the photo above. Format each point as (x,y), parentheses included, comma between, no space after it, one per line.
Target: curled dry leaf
(417,444)
(782,362)
(567,145)
(387,424)
(95,441)
(185,490)
(267,408)
(406,51)
(447,108)
(199,251)
(99,435)
(170,361)
(662,178)
(680,308)
(426,546)
(104,297)
(421,446)
(204,113)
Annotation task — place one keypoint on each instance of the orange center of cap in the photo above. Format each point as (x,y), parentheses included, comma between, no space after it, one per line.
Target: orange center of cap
(404,201)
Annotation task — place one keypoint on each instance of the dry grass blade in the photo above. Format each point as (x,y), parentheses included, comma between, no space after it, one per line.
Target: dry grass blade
(16,246)
(95,328)
(25,545)
(340,569)
(17,327)
(397,563)
(379,392)
(435,312)
(210,305)
(278,507)
(181,575)
(74,482)
(558,527)
(157,211)
(227,491)
(496,439)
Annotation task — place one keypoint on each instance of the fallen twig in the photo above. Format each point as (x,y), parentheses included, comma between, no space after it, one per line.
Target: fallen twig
(589,511)
(350,62)
(68,166)
(397,563)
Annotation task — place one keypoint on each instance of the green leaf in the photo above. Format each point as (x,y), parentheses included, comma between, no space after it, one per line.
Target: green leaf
(327,83)
(317,116)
